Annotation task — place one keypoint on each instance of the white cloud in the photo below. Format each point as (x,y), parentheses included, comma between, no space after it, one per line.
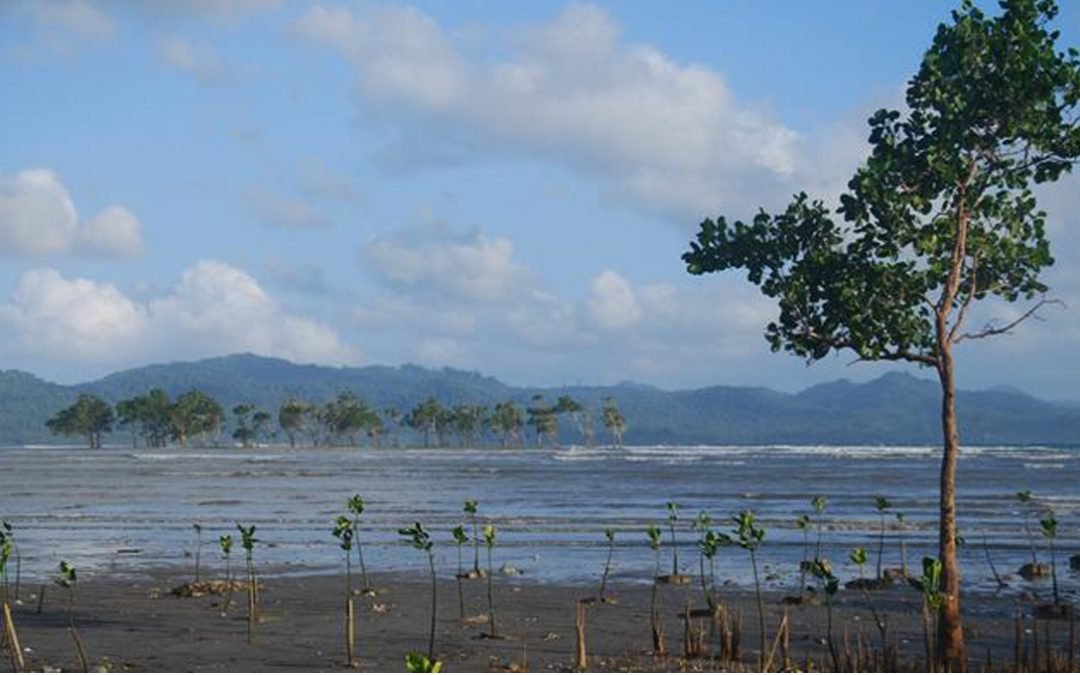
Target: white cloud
(199,61)
(214,309)
(285,212)
(612,301)
(62,26)
(113,232)
(667,134)
(38,217)
(469,266)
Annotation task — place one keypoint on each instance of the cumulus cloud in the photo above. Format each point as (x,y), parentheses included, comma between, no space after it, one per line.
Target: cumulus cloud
(62,26)
(199,61)
(472,266)
(285,212)
(213,309)
(38,217)
(612,301)
(667,134)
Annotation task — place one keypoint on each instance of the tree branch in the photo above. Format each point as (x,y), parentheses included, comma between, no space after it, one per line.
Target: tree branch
(973,286)
(990,330)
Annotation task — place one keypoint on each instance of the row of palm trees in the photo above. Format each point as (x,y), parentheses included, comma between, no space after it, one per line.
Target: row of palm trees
(196,418)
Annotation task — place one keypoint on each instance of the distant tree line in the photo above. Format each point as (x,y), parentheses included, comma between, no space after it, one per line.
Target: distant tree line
(195,418)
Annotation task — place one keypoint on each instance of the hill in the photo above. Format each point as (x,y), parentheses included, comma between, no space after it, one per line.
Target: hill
(893,409)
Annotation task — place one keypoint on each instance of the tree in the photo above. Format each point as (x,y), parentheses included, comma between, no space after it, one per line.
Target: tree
(566,404)
(544,419)
(196,414)
(506,422)
(244,432)
(468,422)
(426,418)
(149,416)
(292,418)
(941,215)
(614,421)
(88,417)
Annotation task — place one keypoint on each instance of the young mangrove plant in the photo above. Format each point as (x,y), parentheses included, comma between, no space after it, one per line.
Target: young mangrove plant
(356,508)
(750,536)
(67,578)
(198,551)
(609,534)
(803,524)
(882,505)
(248,541)
(1026,505)
(900,528)
(822,571)
(1049,524)
(419,539)
(675,577)
(460,538)
(489,543)
(860,558)
(657,624)
(418,663)
(10,636)
(225,543)
(7,534)
(343,532)
(818,503)
(701,525)
(933,600)
(471,507)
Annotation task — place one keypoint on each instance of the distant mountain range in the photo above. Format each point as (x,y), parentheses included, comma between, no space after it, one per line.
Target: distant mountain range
(893,409)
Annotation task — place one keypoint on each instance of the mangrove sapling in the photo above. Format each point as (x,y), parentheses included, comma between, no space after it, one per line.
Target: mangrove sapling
(9,536)
(819,503)
(609,534)
(471,508)
(822,571)
(421,541)
(356,507)
(933,600)
(859,557)
(701,525)
(1049,530)
(198,551)
(225,543)
(418,663)
(659,644)
(248,541)
(882,505)
(1026,505)
(750,535)
(489,543)
(708,546)
(10,636)
(803,523)
(344,534)
(675,578)
(460,538)
(1001,583)
(67,578)
(900,527)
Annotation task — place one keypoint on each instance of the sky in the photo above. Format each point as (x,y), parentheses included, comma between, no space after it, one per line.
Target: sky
(496,186)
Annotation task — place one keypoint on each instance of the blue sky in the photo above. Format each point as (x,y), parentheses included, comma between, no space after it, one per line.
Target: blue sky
(497,186)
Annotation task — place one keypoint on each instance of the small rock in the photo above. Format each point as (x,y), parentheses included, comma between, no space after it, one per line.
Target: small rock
(1034,570)
(508,570)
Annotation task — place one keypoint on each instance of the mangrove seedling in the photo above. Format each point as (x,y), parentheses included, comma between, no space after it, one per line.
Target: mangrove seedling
(471,508)
(675,577)
(248,541)
(489,543)
(418,663)
(822,571)
(860,558)
(659,644)
(701,525)
(900,527)
(708,546)
(343,532)
(1025,499)
(67,578)
(750,535)
(225,543)
(356,507)
(803,523)
(419,539)
(198,551)
(882,505)
(819,503)
(1049,530)
(9,637)
(933,599)
(460,538)
(609,534)
(8,535)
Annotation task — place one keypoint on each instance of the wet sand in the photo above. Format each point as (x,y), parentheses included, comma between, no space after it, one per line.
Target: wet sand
(141,626)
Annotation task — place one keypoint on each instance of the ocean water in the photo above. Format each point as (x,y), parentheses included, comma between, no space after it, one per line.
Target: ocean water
(122,511)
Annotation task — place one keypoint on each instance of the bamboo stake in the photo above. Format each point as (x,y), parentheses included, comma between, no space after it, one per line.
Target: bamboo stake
(581,660)
(12,637)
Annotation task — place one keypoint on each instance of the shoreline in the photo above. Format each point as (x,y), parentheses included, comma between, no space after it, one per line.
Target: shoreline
(139,625)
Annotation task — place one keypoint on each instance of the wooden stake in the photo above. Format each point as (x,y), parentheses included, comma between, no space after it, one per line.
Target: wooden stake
(350,633)
(12,637)
(581,659)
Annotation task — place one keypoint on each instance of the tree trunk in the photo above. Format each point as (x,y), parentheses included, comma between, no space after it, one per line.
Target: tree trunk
(952,654)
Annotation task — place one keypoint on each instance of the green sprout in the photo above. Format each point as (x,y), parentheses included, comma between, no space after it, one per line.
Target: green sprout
(471,508)
(418,663)
(933,600)
(659,647)
(860,558)
(803,523)
(225,543)
(673,517)
(750,536)
(419,539)
(343,532)
(882,505)
(248,541)
(356,507)
(822,571)
(198,551)
(489,542)
(818,503)
(66,578)
(609,534)
(1049,524)
(460,538)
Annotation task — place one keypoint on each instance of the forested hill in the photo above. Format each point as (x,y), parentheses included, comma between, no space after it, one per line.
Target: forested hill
(894,409)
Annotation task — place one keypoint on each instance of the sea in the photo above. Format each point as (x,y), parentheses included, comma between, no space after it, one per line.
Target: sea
(123,512)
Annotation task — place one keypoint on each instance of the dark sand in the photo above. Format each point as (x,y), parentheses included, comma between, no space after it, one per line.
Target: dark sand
(129,625)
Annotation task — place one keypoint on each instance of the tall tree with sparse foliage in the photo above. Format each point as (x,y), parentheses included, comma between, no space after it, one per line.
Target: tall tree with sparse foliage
(942,215)
(89,417)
